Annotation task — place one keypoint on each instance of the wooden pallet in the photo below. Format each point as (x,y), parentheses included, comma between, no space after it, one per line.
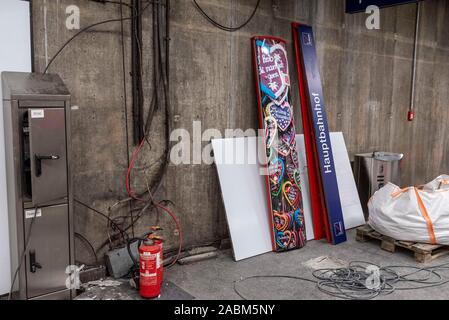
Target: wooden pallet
(424,253)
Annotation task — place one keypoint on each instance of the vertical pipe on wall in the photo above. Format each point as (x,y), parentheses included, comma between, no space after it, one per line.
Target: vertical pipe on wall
(411,112)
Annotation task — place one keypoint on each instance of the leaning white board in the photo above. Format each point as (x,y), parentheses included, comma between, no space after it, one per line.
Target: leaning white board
(244,195)
(15,55)
(347,189)
(349,196)
(243,191)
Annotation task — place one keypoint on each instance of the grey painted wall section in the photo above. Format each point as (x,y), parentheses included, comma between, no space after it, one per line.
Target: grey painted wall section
(366,79)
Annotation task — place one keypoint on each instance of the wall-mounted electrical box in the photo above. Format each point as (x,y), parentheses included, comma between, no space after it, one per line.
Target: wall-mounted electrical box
(36,110)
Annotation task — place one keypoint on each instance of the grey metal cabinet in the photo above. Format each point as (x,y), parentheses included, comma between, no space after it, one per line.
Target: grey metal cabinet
(374,170)
(36,110)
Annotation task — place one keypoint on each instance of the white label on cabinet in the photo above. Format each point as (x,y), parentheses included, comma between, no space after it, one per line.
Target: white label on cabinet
(37,113)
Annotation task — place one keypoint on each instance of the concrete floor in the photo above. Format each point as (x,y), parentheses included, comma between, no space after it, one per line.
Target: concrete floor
(214,279)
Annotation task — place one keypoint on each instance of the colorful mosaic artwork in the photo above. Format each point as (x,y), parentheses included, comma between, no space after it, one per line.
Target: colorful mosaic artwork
(276,118)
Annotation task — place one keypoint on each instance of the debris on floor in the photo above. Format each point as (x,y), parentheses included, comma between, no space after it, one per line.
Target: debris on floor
(110,289)
(325,262)
(104,283)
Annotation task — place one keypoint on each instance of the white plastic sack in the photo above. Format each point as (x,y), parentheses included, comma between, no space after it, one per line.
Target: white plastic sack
(412,214)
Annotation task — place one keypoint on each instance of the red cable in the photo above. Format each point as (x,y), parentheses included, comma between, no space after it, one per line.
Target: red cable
(130,169)
(178,225)
(135,197)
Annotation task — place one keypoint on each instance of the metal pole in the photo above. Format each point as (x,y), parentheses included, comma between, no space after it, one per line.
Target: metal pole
(411,112)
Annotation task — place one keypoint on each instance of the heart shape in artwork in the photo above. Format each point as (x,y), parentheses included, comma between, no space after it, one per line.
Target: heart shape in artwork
(275,189)
(281,99)
(288,136)
(271,130)
(294,158)
(282,148)
(282,113)
(291,169)
(291,193)
(281,221)
(298,217)
(276,170)
(297,178)
(273,68)
(294,240)
(283,238)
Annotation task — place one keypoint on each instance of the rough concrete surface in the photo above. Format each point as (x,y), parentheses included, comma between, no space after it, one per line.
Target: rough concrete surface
(121,290)
(214,279)
(366,79)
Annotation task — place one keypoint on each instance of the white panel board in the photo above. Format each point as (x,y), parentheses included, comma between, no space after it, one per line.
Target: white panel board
(349,196)
(244,195)
(15,55)
(243,191)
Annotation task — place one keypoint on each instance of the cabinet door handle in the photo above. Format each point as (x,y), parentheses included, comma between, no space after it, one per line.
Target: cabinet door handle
(38,162)
(34,265)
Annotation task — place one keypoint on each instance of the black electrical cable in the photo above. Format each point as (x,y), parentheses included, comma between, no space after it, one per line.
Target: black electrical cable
(160,77)
(167,41)
(267,277)
(122,232)
(88,243)
(159,73)
(137,218)
(84,30)
(138,99)
(355,282)
(223,27)
(156,76)
(125,96)
(22,257)
(147,206)
(136,64)
(163,79)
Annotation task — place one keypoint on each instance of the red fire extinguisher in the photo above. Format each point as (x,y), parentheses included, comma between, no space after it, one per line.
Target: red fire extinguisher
(150,281)
(158,241)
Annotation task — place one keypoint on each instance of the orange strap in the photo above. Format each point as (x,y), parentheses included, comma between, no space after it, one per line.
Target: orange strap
(400,191)
(426,217)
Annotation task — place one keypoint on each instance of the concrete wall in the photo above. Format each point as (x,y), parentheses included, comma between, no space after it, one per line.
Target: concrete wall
(366,78)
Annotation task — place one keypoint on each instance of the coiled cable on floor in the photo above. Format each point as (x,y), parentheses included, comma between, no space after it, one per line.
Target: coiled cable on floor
(362,280)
